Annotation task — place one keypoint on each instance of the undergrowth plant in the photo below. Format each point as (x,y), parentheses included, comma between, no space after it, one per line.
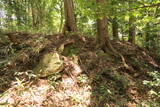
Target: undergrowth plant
(154,84)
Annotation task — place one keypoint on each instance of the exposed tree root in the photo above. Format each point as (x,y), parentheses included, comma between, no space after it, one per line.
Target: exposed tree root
(117,54)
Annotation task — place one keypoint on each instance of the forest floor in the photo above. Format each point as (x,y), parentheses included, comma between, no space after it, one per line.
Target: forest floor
(88,78)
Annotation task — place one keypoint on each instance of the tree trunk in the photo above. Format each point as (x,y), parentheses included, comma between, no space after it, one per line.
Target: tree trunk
(132,30)
(102,32)
(61,11)
(37,14)
(103,37)
(115,29)
(70,22)
(34,24)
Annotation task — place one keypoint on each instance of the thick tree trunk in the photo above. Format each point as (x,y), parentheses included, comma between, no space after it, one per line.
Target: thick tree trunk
(70,22)
(103,37)
(132,30)
(102,32)
(115,29)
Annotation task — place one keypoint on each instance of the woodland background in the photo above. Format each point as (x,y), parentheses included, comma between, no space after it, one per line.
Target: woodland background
(80,53)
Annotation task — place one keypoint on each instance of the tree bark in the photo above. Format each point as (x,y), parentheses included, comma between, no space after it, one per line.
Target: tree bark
(115,29)
(70,22)
(132,30)
(132,27)
(102,32)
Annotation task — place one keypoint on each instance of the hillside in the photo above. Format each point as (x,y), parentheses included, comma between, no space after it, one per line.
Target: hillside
(70,71)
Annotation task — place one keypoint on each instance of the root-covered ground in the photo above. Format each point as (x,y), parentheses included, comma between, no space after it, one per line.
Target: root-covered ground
(88,78)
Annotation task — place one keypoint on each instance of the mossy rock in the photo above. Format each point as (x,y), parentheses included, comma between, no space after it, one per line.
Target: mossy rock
(48,65)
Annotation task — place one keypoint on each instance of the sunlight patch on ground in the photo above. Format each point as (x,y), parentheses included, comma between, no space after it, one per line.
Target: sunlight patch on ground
(65,94)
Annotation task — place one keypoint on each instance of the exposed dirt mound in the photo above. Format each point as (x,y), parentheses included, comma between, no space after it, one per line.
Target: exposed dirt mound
(89,76)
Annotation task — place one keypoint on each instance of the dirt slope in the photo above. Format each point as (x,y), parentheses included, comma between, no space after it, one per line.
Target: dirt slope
(90,77)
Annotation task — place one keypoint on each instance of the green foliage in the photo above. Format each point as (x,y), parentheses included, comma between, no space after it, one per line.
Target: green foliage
(71,50)
(82,79)
(30,16)
(53,78)
(47,16)
(154,84)
(104,90)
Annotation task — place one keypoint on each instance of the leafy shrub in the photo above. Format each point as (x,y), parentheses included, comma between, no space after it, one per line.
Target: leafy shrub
(154,84)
